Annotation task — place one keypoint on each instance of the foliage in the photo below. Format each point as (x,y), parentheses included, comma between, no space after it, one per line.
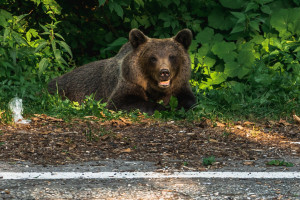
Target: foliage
(245,54)
(208,161)
(280,163)
(28,59)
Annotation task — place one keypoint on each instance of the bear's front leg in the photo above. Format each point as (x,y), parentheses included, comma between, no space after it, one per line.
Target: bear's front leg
(128,96)
(132,102)
(186,98)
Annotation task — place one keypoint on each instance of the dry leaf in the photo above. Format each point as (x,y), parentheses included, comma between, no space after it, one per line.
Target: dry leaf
(128,150)
(296,119)
(248,123)
(91,117)
(220,124)
(283,122)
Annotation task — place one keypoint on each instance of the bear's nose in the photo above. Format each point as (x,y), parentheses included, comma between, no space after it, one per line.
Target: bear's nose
(164,73)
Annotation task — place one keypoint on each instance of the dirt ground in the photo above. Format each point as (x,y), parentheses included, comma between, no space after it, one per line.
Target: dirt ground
(174,144)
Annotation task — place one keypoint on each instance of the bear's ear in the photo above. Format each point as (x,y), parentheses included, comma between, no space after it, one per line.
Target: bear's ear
(137,37)
(184,37)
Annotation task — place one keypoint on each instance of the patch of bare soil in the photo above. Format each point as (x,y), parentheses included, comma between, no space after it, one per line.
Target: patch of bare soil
(47,140)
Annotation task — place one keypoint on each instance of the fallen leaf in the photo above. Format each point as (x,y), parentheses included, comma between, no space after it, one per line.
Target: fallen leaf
(248,163)
(283,122)
(248,123)
(296,119)
(128,150)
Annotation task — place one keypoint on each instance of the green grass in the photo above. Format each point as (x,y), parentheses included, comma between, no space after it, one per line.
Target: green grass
(212,105)
(280,163)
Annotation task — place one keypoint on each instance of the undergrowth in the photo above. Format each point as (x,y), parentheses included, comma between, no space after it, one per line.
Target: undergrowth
(245,54)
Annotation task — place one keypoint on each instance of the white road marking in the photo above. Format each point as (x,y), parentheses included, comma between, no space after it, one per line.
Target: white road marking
(147,175)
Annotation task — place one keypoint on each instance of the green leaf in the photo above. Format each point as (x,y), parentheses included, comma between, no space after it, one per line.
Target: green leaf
(266,9)
(218,77)
(205,36)
(45,28)
(19,38)
(101,2)
(164,16)
(5,35)
(238,28)
(139,2)
(232,69)
(225,50)
(167,24)
(28,36)
(219,20)
(134,24)
(58,35)
(19,18)
(41,46)
(118,42)
(251,6)
(173,103)
(117,8)
(66,47)
(233,4)
(43,64)
(254,25)
(239,15)
(209,61)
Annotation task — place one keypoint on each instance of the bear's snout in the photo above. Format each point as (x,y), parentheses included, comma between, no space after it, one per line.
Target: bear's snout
(164,76)
(164,73)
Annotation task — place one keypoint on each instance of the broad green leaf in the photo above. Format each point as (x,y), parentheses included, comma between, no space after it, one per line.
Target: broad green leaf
(225,50)
(218,77)
(140,2)
(167,24)
(134,24)
(246,58)
(265,44)
(232,69)
(238,28)
(101,2)
(266,9)
(254,25)
(286,21)
(164,16)
(118,42)
(177,2)
(233,4)
(205,36)
(209,61)
(239,15)
(5,14)
(219,20)
(251,6)
(5,35)
(3,21)
(118,9)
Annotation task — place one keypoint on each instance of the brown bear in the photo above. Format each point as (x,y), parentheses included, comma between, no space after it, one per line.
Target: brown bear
(144,72)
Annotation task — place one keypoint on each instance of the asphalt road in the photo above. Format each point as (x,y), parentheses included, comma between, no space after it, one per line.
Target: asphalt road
(148,188)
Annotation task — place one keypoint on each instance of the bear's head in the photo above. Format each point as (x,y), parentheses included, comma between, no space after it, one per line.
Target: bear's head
(160,62)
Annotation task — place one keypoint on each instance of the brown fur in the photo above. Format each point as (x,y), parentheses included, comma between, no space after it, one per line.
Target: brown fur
(133,79)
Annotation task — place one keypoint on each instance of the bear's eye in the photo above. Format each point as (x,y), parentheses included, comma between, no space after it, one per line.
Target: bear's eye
(172,57)
(152,59)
